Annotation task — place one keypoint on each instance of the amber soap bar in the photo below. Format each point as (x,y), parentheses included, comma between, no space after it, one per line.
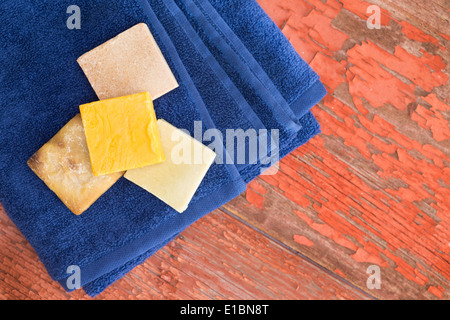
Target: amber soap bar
(176,180)
(63,164)
(127,64)
(122,133)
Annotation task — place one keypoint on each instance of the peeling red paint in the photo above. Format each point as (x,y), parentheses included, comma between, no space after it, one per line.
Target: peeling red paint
(433,118)
(437,291)
(331,72)
(302,240)
(416,34)
(363,256)
(255,199)
(257,187)
(373,187)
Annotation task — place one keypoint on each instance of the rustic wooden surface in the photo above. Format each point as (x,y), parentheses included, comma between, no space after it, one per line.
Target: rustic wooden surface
(372,189)
(218,257)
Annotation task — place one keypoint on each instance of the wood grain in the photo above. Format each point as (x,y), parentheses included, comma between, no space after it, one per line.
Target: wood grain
(218,257)
(373,187)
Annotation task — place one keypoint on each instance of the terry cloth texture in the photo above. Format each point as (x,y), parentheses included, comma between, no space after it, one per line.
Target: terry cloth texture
(253,80)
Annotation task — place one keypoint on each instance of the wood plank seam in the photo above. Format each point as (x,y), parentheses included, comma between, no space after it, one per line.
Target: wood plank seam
(371,188)
(289,248)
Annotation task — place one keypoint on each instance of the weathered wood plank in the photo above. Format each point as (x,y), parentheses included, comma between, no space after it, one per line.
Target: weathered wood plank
(373,188)
(218,257)
(430,16)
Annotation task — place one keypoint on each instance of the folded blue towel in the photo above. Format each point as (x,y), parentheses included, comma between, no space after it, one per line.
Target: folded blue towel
(42,87)
(264,98)
(287,71)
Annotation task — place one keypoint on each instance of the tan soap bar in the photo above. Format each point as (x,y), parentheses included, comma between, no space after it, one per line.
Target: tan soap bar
(127,64)
(63,164)
(176,180)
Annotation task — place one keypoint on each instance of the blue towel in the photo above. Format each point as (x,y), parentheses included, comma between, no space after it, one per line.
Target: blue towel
(42,87)
(281,111)
(287,71)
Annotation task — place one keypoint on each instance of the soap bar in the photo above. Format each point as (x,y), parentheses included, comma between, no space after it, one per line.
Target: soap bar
(63,164)
(176,180)
(129,63)
(122,133)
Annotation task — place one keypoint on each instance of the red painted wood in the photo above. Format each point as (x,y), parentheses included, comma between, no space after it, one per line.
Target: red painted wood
(217,257)
(373,188)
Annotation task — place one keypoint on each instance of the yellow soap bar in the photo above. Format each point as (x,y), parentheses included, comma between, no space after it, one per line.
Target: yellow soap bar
(127,64)
(176,180)
(63,164)
(122,133)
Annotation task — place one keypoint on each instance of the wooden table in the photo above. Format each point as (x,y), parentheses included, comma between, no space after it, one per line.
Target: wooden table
(370,194)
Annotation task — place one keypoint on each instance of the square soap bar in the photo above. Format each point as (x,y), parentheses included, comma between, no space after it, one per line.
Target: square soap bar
(129,63)
(63,164)
(122,133)
(176,180)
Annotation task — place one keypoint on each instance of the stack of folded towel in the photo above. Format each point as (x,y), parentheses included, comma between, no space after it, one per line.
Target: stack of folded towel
(233,69)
